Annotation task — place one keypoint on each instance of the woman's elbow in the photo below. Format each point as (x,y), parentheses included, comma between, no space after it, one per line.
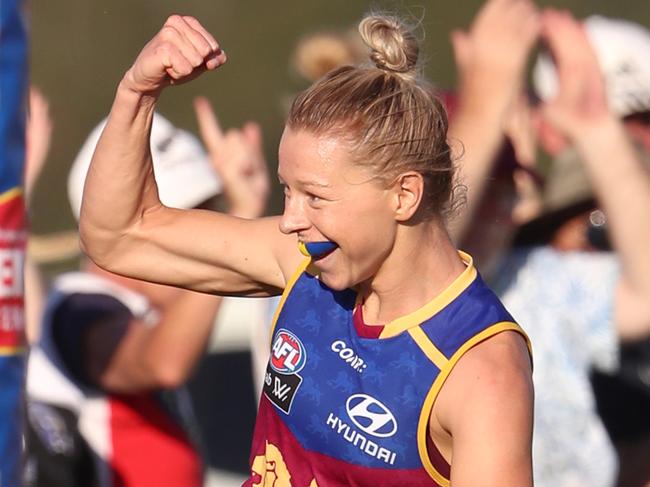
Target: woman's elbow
(95,244)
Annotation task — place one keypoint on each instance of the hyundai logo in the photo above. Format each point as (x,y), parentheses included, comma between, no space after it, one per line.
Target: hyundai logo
(371,416)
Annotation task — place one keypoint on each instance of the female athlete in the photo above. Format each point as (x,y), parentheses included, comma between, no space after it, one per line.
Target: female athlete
(392,363)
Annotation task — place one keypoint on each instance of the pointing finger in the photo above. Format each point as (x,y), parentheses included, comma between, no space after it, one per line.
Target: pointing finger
(209,126)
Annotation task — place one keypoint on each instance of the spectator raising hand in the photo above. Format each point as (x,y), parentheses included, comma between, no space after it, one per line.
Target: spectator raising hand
(38,134)
(577,300)
(580,112)
(490,59)
(492,54)
(238,158)
(581,101)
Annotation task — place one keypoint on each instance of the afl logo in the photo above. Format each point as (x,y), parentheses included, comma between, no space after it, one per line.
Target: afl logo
(371,416)
(288,354)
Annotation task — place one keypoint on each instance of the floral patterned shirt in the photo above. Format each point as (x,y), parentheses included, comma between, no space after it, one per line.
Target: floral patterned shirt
(565,301)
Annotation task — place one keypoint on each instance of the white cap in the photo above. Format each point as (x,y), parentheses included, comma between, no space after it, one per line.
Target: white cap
(622,49)
(183,171)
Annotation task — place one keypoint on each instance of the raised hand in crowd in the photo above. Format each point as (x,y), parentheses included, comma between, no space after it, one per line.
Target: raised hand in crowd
(238,158)
(581,102)
(520,130)
(490,58)
(38,135)
(580,111)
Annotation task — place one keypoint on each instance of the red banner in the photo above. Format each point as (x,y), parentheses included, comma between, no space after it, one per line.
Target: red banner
(13,238)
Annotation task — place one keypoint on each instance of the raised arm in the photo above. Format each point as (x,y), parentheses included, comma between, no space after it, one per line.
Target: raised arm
(123,226)
(490,59)
(164,355)
(621,183)
(38,135)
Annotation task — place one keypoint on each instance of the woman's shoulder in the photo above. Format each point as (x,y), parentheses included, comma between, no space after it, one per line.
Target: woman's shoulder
(490,376)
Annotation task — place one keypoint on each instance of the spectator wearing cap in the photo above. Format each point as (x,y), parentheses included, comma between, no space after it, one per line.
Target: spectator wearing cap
(110,345)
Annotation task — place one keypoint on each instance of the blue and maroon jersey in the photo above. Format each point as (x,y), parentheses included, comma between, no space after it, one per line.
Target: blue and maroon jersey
(339,409)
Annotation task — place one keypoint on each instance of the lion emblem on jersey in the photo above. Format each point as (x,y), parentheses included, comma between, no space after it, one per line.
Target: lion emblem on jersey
(270,470)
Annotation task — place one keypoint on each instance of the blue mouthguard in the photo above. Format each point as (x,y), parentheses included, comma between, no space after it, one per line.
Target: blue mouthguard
(316,249)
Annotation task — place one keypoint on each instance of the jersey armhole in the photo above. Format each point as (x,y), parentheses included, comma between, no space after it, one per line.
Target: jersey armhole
(446,366)
(303,267)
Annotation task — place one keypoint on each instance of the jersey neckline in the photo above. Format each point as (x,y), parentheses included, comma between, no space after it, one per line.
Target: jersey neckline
(462,282)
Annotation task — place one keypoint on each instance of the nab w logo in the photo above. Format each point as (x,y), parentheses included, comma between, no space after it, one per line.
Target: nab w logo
(288,357)
(288,354)
(371,416)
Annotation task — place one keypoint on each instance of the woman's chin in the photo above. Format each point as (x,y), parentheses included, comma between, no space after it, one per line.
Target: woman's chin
(332,280)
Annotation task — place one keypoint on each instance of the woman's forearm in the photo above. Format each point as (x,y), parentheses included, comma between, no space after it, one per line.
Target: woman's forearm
(120,186)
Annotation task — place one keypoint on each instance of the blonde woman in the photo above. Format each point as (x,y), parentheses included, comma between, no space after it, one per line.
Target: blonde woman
(391,362)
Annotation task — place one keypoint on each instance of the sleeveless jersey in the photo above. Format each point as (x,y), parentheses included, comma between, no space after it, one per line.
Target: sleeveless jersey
(341,410)
(130,435)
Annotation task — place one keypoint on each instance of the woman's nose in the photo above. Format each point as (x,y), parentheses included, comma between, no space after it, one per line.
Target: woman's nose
(293,218)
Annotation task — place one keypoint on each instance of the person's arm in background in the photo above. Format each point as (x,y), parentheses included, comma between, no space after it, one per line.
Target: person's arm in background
(490,58)
(520,131)
(239,160)
(137,356)
(249,197)
(38,134)
(165,355)
(621,182)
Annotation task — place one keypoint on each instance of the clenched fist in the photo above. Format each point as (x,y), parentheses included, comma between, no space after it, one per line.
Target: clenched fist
(179,52)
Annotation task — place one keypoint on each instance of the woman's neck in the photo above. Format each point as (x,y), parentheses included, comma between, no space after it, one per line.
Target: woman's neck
(423,263)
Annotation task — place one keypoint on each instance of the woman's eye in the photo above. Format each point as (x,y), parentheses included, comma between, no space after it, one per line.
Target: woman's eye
(313,198)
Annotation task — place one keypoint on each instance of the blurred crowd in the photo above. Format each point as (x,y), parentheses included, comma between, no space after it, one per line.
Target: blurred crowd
(555,185)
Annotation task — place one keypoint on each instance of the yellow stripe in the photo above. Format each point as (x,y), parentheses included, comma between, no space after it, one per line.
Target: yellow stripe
(438,383)
(10,194)
(4,351)
(461,283)
(287,289)
(429,349)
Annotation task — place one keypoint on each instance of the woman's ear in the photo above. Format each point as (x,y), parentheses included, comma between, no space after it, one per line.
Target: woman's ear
(409,191)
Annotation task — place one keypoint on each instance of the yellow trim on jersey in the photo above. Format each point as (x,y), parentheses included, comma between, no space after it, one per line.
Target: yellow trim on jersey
(9,194)
(461,283)
(9,351)
(287,289)
(427,407)
(427,346)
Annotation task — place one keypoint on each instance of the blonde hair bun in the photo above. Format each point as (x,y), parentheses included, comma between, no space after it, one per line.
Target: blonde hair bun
(393,46)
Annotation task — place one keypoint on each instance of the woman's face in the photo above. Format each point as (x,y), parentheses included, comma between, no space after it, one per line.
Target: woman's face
(327,198)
